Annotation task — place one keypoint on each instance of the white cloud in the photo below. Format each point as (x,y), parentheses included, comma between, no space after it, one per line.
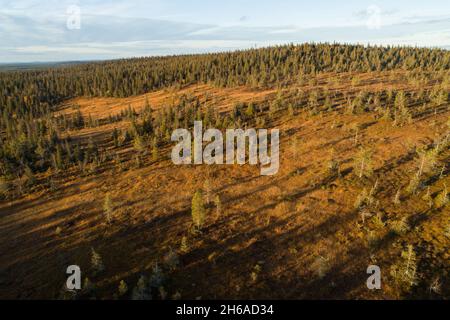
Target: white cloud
(285,31)
(46,38)
(88,49)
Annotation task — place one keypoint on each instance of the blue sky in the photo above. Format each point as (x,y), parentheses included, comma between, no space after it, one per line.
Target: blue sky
(32,30)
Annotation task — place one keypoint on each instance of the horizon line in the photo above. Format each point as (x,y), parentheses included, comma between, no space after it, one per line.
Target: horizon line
(222,51)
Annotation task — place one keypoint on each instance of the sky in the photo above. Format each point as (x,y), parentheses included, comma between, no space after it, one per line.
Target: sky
(65,30)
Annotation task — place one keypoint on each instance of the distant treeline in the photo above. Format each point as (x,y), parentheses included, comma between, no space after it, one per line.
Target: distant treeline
(34,92)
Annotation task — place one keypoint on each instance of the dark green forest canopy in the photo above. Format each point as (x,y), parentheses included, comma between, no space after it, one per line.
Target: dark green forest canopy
(30,134)
(35,91)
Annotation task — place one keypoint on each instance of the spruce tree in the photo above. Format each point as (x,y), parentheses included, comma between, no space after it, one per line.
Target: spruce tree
(108,208)
(363,163)
(198,210)
(96,262)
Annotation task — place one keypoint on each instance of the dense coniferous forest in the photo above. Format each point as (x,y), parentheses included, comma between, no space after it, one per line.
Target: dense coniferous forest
(30,140)
(35,91)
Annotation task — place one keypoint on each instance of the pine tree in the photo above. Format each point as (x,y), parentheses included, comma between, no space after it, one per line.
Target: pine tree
(400,100)
(405,272)
(363,163)
(218,204)
(198,210)
(108,208)
(137,161)
(184,248)
(397,199)
(96,262)
(115,137)
(291,110)
(328,104)
(30,179)
(4,187)
(157,277)
(123,288)
(142,291)
(313,101)
(92,149)
(155,153)
(208,190)
(58,158)
(402,115)
(414,184)
(428,198)
(139,144)
(250,112)
(88,287)
(439,98)
(171,260)
(442,198)
(427,161)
